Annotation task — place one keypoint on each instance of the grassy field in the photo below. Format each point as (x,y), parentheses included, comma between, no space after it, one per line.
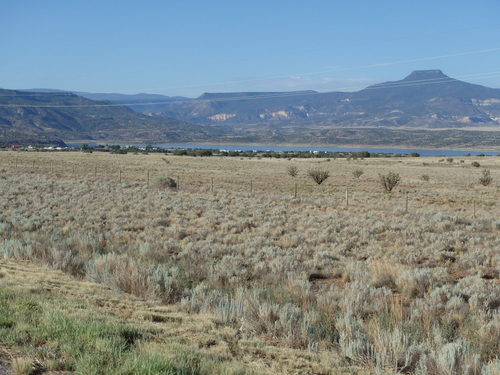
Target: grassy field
(400,282)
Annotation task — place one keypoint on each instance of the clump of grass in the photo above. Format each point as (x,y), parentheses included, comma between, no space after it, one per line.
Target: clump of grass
(475,164)
(23,366)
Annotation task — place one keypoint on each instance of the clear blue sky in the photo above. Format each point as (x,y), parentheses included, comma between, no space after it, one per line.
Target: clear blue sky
(190,47)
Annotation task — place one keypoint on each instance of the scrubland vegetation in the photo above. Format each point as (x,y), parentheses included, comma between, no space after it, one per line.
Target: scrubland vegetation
(371,286)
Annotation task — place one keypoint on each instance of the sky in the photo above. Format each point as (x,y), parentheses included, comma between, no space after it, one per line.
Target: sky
(188,47)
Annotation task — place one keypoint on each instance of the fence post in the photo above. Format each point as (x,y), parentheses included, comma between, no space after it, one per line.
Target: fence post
(346,198)
(406,202)
(295,191)
(148,178)
(120,176)
(177,183)
(474,208)
(212,186)
(95,170)
(251,186)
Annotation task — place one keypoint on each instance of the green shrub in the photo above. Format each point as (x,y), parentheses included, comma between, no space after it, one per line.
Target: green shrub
(318,175)
(486,178)
(389,181)
(357,173)
(166,183)
(475,164)
(292,171)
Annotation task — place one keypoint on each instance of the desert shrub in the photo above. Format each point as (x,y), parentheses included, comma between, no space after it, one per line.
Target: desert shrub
(485,178)
(414,282)
(491,368)
(453,358)
(246,309)
(13,248)
(383,274)
(425,177)
(449,160)
(475,164)
(318,175)
(357,173)
(121,272)
(389,181)
(496,224)
(5,229)
(166,183)
(292,171)
(168,283)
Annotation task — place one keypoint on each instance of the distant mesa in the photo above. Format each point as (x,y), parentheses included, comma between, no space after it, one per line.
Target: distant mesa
(422,75)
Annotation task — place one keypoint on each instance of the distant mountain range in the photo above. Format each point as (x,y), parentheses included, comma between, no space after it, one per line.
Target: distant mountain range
(427,99)
(413,111)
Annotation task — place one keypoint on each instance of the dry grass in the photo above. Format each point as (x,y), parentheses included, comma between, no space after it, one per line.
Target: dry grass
(22,366)
(174,330)
(390,290)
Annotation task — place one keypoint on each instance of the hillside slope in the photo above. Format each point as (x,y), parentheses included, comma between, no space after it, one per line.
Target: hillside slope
(37,116)
(167,337)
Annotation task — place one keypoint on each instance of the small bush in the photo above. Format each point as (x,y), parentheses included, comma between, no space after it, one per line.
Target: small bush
(425,177)
(166,183)
(486,178)
(449,160)
(475,164)
(318,175)
(292,171)
(389,181)
(357,173)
